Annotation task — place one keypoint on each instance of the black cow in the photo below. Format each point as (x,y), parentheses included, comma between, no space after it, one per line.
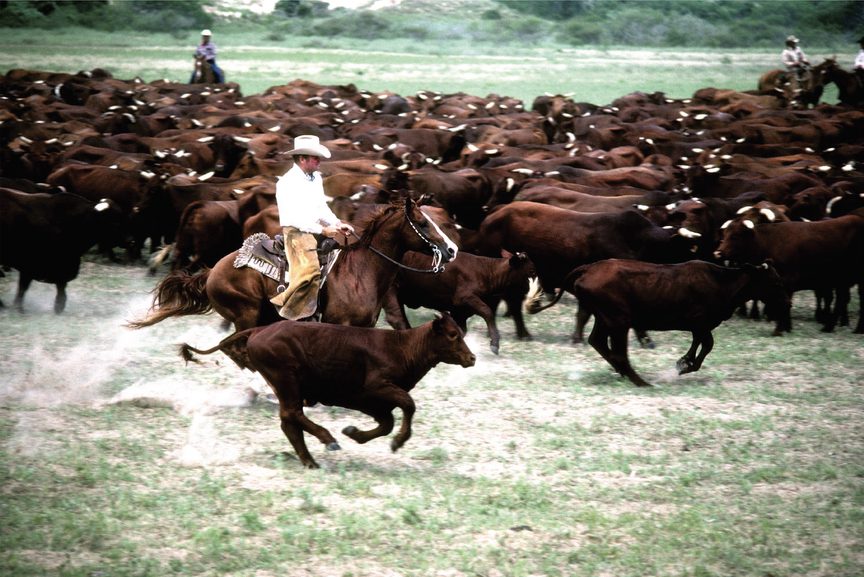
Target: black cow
(44,235)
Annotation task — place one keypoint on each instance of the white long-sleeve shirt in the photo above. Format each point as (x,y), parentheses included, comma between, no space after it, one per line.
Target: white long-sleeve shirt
(302,202)
(793,56)
(859,60)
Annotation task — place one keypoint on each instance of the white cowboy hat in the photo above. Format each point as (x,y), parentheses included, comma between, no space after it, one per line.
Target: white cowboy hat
(206,32)
(309,145)
(791,38)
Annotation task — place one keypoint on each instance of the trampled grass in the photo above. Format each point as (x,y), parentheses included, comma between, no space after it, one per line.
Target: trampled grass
(118,459)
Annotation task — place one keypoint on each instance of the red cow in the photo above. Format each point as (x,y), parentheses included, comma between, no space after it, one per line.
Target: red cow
(825,255)
(364,369)
(470,285)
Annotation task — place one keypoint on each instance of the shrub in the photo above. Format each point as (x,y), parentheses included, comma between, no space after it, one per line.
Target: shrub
(363,24)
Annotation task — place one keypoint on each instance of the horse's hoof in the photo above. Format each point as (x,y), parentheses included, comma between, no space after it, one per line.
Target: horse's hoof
(349,431)
(334,446)
(494,349)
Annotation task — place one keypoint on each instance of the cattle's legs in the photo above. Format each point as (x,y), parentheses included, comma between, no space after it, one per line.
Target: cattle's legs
(385,421)
(691,362)
(60,298)
(842,306)
(582,317)
(783,322)
(859,328)
(488,315)
(23,284)
(514,310)
(394,311)
(294,422)
(644,339)
(383,415)
(616,356)
(619,359)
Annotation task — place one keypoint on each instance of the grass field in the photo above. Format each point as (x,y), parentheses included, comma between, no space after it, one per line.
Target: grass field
(597,75)
(118,460)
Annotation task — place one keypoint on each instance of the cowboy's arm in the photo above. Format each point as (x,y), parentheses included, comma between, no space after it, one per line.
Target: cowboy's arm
(332,225)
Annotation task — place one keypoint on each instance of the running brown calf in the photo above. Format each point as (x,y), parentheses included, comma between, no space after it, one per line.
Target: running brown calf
(364,369)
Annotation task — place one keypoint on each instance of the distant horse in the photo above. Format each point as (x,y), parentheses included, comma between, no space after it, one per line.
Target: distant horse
(780,83)
(203,71)
(849,87)
(355,288)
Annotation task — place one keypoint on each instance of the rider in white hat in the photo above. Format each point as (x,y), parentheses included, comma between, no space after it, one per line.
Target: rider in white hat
(208,50)
(303,213)
(795,61)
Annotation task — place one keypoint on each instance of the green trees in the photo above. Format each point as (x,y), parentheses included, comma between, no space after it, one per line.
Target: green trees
(687,23)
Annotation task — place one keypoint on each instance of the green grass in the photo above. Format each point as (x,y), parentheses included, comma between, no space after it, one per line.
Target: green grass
(590,74)
(539,461)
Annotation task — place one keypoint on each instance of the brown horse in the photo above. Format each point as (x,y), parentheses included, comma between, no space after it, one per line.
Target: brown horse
(779,82)
(355,287)
(850,89)
(203,71)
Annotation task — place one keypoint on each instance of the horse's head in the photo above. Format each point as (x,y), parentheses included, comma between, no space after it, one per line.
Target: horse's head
(429,237)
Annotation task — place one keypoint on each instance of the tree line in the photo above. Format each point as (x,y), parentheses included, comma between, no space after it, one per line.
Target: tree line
(647,23)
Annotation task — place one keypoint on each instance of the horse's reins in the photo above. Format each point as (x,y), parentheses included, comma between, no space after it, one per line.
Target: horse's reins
(437,257)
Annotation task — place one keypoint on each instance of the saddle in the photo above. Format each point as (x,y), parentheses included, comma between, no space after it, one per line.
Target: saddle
(267,256)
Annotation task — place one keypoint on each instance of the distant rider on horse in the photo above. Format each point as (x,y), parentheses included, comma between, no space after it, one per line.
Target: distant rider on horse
(208,50)
(796,63)
(858,67)
(303,213)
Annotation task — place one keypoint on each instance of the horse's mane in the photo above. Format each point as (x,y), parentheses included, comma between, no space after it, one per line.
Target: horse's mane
(371,222)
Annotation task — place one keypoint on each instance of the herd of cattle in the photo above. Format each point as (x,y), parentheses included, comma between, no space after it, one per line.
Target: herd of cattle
(686,187)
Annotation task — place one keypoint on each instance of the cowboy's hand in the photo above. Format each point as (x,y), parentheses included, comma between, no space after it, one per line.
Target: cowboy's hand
(331,230)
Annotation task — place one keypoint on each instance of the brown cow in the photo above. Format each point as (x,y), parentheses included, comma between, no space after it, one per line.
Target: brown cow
(469,285)
(364,369)
(694,296)
(824,255)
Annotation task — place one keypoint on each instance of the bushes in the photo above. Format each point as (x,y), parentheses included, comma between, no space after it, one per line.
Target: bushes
(658,23)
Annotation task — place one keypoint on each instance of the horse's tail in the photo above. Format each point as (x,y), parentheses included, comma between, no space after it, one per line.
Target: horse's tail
(234,346)
(178,294)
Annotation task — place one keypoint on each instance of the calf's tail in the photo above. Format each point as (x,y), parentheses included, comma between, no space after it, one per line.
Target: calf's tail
(234,346)
(178,294)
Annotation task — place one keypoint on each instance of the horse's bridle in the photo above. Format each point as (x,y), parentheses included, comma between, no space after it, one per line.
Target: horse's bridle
(437,256)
